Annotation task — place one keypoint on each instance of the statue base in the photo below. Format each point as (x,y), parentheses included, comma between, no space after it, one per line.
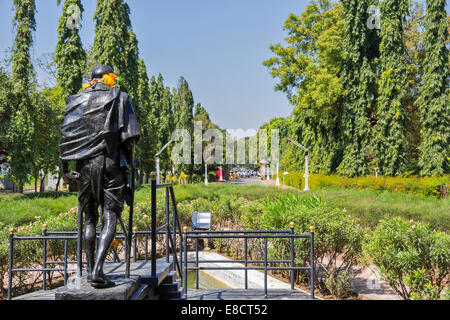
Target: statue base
(139,286)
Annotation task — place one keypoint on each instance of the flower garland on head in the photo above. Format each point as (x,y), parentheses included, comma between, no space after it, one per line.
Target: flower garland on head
(109,79)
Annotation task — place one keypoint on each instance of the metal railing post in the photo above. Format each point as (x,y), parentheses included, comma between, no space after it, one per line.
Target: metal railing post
(185,229)
(153,201)
(292,256)
(246,263)
(129,234)
(65,262)
(196,264)
(174,230)
(44,263)
(146,247)
(168,225)
(80,241)
(10,264)
(311,229)
(135,230)
(265,268)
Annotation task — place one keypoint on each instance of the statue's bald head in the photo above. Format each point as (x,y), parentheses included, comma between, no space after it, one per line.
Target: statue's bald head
(99,71)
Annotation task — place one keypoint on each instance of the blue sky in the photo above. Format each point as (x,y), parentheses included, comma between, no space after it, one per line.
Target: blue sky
(218,46)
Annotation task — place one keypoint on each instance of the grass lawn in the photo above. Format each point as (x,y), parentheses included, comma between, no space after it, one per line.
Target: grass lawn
(368,205)
(17,209)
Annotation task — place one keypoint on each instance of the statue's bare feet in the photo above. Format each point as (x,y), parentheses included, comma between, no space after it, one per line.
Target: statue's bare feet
(101,282)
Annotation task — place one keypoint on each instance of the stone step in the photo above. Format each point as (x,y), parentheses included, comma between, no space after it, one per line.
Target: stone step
(171,278)
(169,287)
(141,293)
(171,295)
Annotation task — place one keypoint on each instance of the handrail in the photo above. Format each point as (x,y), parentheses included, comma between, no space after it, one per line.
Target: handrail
(250,234)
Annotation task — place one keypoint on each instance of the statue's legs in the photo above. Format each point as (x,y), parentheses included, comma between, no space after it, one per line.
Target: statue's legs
(105,241)
(91,220)
(114,182)
(103,182)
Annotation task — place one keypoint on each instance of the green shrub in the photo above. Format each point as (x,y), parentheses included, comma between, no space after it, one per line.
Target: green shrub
(212,176)
(412,258)
(196,178)
(337,243)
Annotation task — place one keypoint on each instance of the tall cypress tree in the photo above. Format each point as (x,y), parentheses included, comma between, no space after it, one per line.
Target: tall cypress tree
(358,79)
(184,114)
(20,133)
(165,123)
(391,112)
(434,97)
(70,55)
(146,145)
(115,44)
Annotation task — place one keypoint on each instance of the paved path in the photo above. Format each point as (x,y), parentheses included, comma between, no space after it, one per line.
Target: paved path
(253,181)
(242,294)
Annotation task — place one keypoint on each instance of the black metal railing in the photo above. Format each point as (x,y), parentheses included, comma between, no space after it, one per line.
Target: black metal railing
(171,235)
(246,235)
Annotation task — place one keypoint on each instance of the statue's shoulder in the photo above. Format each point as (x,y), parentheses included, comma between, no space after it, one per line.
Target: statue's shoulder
(75,99)
(123,95)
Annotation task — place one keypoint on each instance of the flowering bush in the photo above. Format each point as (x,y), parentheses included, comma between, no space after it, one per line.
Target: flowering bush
(413,259)
(429,186)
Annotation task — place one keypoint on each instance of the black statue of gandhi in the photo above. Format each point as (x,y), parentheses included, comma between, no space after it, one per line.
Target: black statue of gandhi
(99,133)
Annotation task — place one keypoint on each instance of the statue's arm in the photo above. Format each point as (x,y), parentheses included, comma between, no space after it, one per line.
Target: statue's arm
(69,176)
(129,147)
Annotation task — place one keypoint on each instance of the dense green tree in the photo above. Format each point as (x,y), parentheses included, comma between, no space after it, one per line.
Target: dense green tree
(358,79)
(434,96)
(165,128)
(70,55)
(308,69)
(6,107)
(21,130)
(146,146)
(184,115)
(391,111)
(115,43)
(414,66)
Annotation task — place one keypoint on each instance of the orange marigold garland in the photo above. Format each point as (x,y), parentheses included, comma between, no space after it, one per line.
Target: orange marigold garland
(109,79)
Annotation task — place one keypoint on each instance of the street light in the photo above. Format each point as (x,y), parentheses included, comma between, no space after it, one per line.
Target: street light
(206,170)
(285,174)
(306,176)
(278,174)
(158,175)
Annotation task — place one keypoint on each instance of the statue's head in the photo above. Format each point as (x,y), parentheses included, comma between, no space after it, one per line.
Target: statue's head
(99,71)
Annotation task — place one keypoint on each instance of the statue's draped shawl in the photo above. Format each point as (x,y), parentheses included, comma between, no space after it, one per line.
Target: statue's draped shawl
(98,119)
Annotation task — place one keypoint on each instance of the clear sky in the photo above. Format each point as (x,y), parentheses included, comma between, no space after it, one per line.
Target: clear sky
(218,46)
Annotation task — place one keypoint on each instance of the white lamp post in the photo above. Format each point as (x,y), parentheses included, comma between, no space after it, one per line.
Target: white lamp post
(306,176)
(278,175)
(206,171)
(284,174)
(158,175)
(221,175)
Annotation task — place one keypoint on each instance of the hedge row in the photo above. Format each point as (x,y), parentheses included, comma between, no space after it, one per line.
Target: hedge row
(429,186)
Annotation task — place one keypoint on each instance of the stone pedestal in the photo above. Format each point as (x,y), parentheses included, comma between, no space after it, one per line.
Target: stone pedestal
(79,289)
(139,284)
